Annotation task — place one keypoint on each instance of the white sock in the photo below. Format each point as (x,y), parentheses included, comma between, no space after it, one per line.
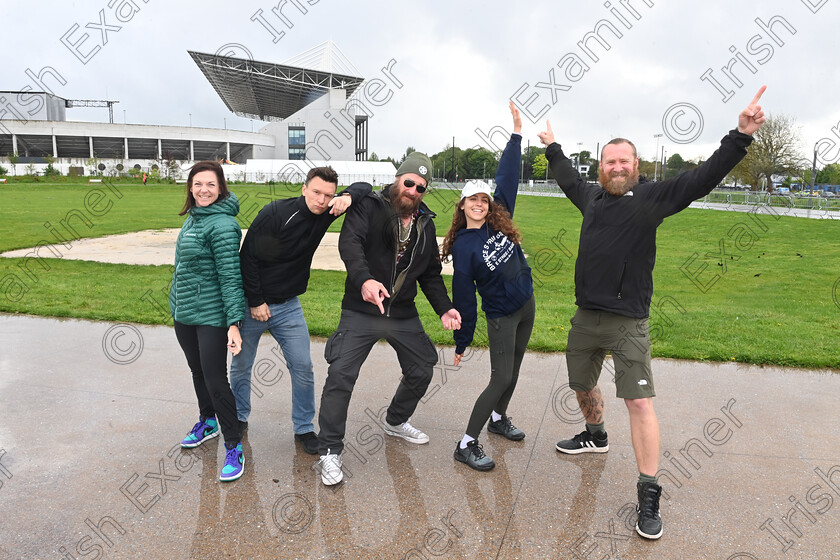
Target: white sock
(466,440)
(495,417)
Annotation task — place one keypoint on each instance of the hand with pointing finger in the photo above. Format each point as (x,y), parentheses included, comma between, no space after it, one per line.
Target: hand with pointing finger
(374,292)
(547,137)
(751,118)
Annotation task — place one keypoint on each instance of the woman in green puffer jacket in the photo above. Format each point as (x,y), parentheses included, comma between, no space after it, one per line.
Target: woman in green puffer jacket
(207,303)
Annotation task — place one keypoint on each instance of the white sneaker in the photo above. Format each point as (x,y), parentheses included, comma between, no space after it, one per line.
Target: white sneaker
(330,465)
(406,431)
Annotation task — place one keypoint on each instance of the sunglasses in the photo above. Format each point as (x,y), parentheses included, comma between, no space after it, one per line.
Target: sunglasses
(409,183)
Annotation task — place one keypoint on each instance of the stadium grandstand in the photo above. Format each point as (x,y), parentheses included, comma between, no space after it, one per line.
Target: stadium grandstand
(312,107)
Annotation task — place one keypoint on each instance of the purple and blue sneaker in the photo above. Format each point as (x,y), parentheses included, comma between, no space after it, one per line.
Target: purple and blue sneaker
(206,428)
(234,463)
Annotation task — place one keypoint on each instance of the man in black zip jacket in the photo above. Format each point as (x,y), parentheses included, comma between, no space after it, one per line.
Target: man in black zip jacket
(614,286)
(388,245)
(276,258)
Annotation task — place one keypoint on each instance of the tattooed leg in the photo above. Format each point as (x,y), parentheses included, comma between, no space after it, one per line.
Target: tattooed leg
(591,404)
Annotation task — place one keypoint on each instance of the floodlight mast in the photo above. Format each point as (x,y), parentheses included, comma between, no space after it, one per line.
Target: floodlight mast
(70,103)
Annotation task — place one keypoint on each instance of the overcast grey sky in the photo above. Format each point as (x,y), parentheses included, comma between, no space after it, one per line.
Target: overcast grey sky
(459,63)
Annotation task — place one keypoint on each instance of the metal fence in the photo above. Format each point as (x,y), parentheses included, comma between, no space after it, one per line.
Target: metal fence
(739,201)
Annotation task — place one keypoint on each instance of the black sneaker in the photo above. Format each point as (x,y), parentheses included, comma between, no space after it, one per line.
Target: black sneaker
(309,441)
(473,455)
(504,427)
(649,524)
(585,442)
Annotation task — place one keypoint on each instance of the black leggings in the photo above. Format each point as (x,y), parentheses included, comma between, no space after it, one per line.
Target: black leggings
(205,348)
(508,338)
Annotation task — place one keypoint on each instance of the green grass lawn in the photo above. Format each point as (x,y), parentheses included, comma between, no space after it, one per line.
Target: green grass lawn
(766,296)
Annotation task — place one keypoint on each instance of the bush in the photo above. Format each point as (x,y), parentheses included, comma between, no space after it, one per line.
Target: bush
(3,170)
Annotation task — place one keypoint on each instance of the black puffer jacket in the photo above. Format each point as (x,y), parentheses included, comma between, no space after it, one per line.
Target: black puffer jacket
(368,245)
(617,251)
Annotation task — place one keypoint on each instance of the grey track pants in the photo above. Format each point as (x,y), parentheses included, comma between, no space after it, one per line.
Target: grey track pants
(346,351)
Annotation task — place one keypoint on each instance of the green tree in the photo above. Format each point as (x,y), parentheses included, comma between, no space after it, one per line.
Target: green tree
(449,163)
(373,157)
(14,159)
(540,167)
(645,168)
(773,152)
(479,164)
(408,150)
(676,162)
(830,174)
(50,171)
(529,157)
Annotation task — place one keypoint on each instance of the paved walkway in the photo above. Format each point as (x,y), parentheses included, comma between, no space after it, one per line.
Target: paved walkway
(157,246)
(91,414)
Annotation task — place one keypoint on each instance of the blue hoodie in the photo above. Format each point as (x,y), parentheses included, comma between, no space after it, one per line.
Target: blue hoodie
(488,260)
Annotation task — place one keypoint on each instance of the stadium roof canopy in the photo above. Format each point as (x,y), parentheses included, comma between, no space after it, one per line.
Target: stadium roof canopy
(270,92)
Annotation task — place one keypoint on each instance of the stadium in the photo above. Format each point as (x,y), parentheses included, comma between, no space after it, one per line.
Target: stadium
(313,109)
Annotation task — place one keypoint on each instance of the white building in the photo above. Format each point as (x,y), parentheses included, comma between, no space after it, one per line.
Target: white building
(311,114)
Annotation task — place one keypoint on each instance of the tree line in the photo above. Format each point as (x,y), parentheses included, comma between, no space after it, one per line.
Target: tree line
(775,151)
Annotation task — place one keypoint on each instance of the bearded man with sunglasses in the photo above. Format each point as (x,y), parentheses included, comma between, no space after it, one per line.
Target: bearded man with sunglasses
(388,246)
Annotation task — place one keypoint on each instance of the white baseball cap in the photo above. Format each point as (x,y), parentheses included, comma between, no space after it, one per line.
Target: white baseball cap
(474,187)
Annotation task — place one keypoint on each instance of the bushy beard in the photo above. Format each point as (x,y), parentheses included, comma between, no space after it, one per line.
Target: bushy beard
(618,184)
(402,202)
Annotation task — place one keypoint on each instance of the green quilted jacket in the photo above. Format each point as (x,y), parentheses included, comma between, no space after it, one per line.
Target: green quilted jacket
(207,284)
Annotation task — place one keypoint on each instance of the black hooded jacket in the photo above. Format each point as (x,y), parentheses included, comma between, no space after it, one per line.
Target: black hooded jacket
(368,245)
(617,251)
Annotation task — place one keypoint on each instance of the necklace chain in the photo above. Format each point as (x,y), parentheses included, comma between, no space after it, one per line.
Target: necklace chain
(407,230)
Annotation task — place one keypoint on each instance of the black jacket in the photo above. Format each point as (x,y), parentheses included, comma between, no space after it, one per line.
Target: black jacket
(276,256)
(368,245)
(617,251)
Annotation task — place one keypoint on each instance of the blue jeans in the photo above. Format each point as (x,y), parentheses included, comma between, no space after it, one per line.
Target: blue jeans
(288,327)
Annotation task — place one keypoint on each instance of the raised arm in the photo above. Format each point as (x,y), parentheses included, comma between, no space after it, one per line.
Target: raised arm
(674,195)
(562,169)
(507,174)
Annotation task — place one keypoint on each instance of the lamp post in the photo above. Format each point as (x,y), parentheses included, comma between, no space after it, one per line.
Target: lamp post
(454,165)
(814,168)
(656,153)
(190,120)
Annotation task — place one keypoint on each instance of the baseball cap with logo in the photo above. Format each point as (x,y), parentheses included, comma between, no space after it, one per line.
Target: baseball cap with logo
(417,163)
(474,187)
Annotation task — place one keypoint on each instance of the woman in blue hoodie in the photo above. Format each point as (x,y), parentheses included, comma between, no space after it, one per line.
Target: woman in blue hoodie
(484,245)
